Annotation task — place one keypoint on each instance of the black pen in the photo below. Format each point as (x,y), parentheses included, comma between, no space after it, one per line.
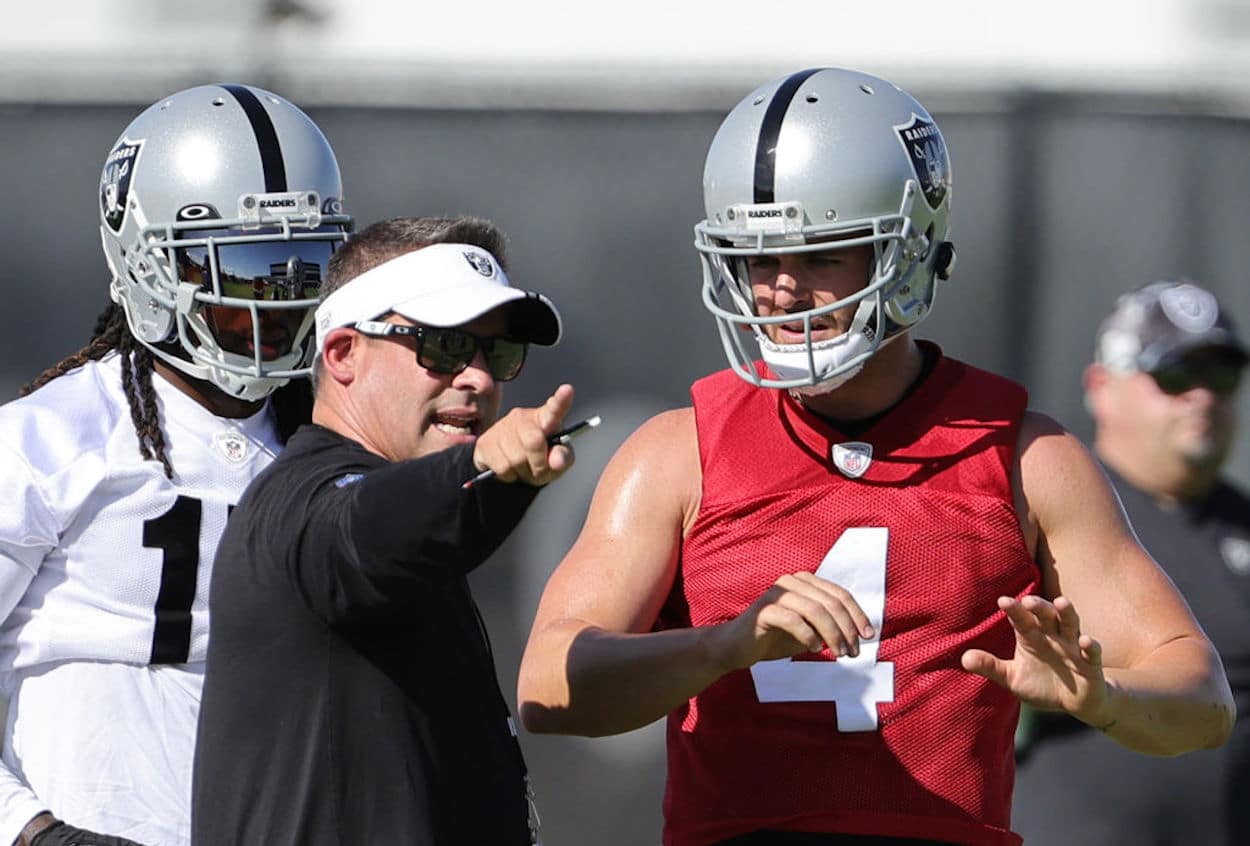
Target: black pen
(561,437)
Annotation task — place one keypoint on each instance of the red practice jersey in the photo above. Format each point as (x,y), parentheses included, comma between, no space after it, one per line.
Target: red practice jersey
(915,518)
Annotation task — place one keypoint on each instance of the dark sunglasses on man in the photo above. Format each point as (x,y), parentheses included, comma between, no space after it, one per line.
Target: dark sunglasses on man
(1214,368)
(449,351)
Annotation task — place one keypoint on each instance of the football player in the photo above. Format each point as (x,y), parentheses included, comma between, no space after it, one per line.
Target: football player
(840,571)
(220,207)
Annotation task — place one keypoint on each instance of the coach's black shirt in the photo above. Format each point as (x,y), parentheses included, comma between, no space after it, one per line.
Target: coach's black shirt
(350,695)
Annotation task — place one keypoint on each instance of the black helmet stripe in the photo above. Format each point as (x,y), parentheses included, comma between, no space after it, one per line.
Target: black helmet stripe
(266,138)
(766,150)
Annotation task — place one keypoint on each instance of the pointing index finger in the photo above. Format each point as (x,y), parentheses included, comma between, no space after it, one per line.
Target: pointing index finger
(551,413)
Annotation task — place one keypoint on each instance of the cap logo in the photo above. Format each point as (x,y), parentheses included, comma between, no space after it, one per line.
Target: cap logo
(927,153)
(852,458)
(119,168)
(481,263)
(1236,553)
(1189,307)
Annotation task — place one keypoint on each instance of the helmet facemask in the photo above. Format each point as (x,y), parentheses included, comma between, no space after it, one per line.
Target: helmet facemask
(824,159)
(263,280)
(897,293)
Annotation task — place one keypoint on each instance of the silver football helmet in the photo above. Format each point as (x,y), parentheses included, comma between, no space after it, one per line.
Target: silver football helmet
(219,209)
(824,159)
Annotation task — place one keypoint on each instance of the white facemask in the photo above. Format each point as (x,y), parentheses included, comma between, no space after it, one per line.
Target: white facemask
(836,360)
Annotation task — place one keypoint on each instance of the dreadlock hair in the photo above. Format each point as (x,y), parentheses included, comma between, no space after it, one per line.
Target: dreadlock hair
(112,333)
(292,404)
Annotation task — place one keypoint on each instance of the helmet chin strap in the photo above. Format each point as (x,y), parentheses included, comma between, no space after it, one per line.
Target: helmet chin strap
(837,360)
(248,389)
(829,385)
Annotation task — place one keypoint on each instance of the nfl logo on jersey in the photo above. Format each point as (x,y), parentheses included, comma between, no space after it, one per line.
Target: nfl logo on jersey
(231,445)
(852,458)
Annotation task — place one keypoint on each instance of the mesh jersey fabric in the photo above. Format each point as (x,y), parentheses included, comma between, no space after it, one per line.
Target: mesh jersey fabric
(936,494)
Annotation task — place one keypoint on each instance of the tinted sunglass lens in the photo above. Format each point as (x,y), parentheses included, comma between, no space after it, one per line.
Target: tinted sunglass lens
(1224,379)
(504,358)
(1172,380)
(446,350)
(269,291)
(1221,377)
(449,351)
(263,270)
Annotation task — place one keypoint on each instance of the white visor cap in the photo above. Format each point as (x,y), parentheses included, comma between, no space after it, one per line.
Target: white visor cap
(440,285)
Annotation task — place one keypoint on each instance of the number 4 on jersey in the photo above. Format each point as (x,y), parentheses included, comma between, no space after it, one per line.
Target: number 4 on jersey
(856,561)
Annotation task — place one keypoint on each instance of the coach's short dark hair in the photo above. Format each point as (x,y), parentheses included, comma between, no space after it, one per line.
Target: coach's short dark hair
(387,239)
(380,242)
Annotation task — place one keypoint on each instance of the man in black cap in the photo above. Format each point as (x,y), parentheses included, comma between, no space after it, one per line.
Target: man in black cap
(1162,393)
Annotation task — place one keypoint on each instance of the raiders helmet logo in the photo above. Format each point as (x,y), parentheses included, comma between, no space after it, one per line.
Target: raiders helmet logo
(927,153)
(119,167)
(480,262)
(852,458)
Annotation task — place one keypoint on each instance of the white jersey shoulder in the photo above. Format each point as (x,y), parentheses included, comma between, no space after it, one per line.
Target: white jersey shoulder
(104,574)
(101,556)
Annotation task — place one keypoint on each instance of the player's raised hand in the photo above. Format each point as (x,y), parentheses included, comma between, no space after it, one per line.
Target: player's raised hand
(1055,667)
(517,448)
(801,612)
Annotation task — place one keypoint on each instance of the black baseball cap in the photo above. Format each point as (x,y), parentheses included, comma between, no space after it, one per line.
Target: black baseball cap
(1159,323)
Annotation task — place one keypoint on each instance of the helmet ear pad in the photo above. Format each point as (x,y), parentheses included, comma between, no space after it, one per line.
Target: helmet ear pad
(149,321)
(914,296)
(910,305)
(149,325)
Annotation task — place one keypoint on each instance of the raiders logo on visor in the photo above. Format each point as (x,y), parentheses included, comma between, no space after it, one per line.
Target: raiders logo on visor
(480,263)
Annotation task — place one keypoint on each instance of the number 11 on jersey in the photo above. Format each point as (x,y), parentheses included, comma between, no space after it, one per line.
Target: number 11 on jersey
(856,561)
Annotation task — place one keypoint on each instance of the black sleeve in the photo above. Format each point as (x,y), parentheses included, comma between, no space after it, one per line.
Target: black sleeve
(399,528)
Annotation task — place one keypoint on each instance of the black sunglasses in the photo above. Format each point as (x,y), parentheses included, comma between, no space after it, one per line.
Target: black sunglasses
(1221,374)
(449,351)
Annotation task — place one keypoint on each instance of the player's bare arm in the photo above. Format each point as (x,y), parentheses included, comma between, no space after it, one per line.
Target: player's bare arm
(588,668)
(1111,641)
(592,665)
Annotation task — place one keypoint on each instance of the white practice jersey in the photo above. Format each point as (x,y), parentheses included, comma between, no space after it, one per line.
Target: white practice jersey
(104,574)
